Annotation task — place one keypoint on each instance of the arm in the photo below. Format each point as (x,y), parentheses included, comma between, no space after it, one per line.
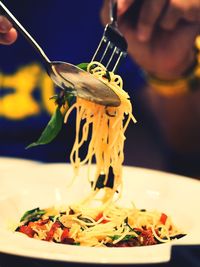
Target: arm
(8,34)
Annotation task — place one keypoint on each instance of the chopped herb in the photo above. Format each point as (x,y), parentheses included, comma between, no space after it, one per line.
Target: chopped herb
(32,215)
(137,231)
(100,182)
(107,75)
(177,236)
(55,124)
(51,131)
(86,220)
(126,238)
(52,218)
(101,179)
(83,66)
(127,224)
(114,237)
(63,213)
(76,243)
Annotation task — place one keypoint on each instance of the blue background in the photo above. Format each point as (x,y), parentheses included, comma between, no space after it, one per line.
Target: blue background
(70,31)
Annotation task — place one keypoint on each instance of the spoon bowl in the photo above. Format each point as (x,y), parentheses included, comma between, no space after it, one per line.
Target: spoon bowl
(82,84)
(68,76)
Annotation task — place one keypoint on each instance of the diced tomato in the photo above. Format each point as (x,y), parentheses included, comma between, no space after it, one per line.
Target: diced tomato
(42,222)
(27,230)
(65,234)
(148,238)
(99,216)
(163,218)
(51,232)
(39,224)
(31,224)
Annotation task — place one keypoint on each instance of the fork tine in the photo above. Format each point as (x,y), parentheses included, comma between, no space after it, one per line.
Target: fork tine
(105,51)
(117,61)
(98,48)
(111,57)
(113,44)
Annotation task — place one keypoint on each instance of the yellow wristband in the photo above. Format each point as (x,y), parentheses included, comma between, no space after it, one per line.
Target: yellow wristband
(187,83)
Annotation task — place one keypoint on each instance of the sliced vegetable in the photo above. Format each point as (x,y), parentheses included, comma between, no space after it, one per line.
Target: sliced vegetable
(52,129)
(51,232)
(65,235)
(126,238)
(83,66)
(163,218)
(107,75)
(147,238)
(55,124)
(27,230)
(31,215)
(86,220)
(101,180)
(99,216)
(177,236)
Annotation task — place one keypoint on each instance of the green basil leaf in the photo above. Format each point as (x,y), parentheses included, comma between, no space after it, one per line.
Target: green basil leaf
(32,214)
(51,131)
(100,182)
(126,238)
(101,179)
(83,66)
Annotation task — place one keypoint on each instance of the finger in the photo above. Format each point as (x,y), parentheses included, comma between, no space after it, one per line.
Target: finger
(9,37)
(123,6)
(171,17)
(104,13)
(149,14)
(5,25)
(191,12)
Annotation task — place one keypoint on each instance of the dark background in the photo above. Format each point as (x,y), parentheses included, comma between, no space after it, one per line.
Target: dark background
(69,31)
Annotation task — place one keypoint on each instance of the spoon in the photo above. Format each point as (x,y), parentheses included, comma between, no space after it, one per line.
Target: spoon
(66,75)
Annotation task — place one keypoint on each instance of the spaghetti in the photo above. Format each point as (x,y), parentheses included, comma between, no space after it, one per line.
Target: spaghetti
(106,225)
(105,127)
(112,226)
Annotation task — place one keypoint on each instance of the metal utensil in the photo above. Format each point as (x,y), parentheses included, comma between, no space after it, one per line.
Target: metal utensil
(66,75)
(113,46)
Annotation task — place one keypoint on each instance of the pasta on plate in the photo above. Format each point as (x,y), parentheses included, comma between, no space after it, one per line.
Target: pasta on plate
(105,224)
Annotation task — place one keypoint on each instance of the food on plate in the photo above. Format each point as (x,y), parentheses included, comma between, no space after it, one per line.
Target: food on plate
(106,224)
(104,128)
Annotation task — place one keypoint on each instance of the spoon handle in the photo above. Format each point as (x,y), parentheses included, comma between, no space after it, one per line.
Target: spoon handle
(4,10)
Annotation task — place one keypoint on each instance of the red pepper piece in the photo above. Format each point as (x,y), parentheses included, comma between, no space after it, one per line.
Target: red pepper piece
(99,216)
(148,238)
(65,235)
(163,218)
(27,230)
(51,232)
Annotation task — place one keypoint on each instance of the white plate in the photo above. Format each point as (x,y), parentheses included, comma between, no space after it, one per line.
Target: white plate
(26,185)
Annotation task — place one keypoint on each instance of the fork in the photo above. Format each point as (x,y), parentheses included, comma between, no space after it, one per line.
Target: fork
(113,46)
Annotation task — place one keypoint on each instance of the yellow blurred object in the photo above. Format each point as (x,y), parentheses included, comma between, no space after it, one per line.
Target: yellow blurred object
(187,83)
(19,88)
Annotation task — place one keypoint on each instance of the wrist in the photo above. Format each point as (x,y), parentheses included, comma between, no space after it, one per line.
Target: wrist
(174,72)
(185,80)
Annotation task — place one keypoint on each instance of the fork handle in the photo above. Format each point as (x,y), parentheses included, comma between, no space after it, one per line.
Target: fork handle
(113,12)
(4,10)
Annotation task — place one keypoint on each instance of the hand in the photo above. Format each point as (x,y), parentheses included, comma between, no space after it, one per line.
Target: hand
(8,34)
(162,39)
